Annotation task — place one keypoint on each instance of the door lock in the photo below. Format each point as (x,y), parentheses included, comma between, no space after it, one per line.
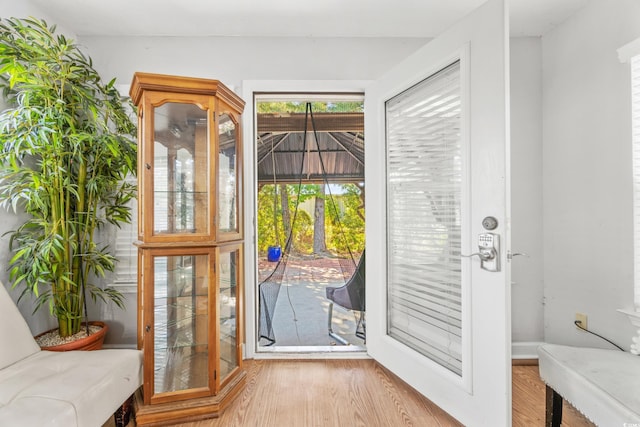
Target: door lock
(488,251)
(490,223)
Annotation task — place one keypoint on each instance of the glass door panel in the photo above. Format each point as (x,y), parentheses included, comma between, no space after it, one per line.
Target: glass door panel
(424,163)
(180,169)
(181,302)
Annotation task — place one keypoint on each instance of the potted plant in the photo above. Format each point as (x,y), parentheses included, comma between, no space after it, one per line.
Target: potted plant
(66,145)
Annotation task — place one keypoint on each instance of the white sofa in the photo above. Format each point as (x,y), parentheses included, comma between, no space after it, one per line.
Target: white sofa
(602,384)
(76,388)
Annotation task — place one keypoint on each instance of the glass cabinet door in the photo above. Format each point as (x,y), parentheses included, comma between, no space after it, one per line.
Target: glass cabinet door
(228,178)
(229,265)
(180,162)
(181,317)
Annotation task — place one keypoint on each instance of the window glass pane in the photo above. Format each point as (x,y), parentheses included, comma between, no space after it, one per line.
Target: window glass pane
(424,167)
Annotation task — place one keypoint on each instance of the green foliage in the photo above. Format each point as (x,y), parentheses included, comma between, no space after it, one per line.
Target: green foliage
(302,233)
(266,219)
(66,145)
(344,229)
(316,107)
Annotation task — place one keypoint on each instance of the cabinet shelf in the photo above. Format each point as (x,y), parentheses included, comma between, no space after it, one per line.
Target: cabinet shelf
(202,345)
(179,192)
(179,296)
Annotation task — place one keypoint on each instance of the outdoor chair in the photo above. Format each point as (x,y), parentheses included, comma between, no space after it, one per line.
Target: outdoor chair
(350,296)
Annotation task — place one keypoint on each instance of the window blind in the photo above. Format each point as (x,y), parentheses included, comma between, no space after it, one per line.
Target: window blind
(424,188)
(126,271)
(635,120)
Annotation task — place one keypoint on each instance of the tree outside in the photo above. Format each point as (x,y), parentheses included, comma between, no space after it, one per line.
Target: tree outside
(342,215)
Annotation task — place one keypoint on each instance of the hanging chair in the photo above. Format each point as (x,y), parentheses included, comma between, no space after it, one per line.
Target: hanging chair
(351,296)
(269,288)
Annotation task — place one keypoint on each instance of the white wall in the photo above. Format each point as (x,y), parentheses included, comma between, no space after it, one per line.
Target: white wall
(234,59)
(19,9)
(587,202)
(526,193)
(24,9)
(41,321)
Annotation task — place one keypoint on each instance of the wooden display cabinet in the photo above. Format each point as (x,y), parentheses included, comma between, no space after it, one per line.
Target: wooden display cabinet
(190,246)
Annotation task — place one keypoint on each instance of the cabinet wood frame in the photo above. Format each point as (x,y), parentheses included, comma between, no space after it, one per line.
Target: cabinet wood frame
(149,92)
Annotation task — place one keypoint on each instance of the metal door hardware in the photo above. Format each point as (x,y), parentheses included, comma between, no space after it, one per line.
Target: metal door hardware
(488,251)
(510,255)
(490,223)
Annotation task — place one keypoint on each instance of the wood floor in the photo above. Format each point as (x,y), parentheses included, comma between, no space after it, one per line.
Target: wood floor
(319,393)
(528,401)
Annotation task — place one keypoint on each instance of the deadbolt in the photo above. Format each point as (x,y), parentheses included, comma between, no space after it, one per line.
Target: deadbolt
(490,223)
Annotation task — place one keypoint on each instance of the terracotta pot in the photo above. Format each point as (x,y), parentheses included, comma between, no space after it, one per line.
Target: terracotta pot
(92,342)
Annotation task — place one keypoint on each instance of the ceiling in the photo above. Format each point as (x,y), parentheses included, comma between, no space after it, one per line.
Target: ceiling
(290,18)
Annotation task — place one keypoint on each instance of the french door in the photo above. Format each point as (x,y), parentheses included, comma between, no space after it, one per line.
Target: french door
(437,155)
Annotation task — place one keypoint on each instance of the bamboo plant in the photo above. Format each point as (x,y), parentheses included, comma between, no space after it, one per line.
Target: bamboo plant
(66,145)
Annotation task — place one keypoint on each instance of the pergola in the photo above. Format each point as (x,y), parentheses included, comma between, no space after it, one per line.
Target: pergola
(339,148)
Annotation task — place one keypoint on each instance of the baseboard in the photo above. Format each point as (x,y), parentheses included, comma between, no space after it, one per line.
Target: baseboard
(119,346)
(525,352)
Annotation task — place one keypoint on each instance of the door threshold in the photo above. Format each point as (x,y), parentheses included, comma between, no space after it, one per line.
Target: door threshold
(312,352)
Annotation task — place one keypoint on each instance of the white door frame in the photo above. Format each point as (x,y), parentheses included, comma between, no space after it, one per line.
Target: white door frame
(249,88)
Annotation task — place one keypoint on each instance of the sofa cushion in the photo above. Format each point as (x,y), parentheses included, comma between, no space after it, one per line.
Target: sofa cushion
(38,411)
(85,386)
(15,335)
